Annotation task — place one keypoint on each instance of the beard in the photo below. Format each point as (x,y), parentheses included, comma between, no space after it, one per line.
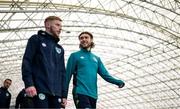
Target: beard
(85,47)
(54,33)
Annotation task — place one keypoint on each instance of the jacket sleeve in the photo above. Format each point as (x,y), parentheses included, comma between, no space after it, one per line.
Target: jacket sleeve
(18,100)
(63,80)
(106,76)
(70,69)
(27,63)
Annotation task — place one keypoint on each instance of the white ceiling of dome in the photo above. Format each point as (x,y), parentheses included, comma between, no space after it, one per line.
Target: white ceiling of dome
(138,41)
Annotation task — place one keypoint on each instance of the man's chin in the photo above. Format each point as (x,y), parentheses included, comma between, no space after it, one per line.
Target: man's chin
(85,46)
(56,36)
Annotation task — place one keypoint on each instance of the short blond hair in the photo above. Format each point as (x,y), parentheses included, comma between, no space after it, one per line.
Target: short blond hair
(51,18)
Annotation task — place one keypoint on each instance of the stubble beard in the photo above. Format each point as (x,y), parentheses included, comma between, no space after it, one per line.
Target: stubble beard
(54,33)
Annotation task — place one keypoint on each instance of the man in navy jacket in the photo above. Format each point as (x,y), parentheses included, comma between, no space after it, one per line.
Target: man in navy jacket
(5,95)
(43,68)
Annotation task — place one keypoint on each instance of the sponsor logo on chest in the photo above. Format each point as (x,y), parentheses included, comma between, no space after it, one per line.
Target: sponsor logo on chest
(92,58)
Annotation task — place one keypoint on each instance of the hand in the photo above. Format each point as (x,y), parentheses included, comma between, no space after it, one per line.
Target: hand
(31,91)
(122,85)
(63,102)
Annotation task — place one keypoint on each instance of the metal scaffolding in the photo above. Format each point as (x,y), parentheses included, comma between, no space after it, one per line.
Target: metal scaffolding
(138,40)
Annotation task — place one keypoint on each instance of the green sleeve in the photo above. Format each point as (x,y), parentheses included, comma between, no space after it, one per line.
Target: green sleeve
(106,76)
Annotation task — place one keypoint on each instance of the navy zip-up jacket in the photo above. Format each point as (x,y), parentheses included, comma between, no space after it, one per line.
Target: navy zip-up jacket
(43,64)
(5,98)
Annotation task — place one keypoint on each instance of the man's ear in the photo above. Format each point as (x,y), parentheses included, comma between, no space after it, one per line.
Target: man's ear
(47,25)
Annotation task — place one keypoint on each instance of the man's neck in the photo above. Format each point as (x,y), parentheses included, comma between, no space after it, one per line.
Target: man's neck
(4,88)
(48,32)
(86,49)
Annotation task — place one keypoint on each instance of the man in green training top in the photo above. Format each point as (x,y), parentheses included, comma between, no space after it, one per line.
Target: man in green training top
(84,66)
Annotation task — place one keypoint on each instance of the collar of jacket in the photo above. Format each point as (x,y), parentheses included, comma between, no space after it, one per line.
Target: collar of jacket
(45,34)
(85,50)
(3,88)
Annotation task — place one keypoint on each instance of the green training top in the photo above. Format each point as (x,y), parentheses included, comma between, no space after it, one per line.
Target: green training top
(85,65)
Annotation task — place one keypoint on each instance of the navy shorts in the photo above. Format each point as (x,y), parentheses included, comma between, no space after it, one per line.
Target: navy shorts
(84,101)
